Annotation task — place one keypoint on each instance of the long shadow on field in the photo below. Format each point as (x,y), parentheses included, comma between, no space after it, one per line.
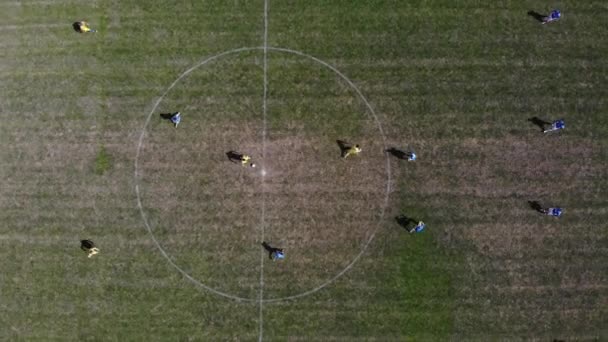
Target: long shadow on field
(166,116)
(234,156)
(535,205)
(344,146)
(539,122)
(405,222)
(85,245)
(397,153)
(536,15)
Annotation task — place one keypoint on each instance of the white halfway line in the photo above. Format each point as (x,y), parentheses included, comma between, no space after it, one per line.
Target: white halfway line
(264,107)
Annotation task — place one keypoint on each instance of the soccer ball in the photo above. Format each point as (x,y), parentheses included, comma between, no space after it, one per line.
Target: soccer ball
(252,165)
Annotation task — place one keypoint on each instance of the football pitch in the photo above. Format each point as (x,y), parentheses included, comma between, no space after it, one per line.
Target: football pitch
(86,155)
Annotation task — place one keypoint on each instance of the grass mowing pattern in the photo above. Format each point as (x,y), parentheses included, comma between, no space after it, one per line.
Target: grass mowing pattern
(457,81)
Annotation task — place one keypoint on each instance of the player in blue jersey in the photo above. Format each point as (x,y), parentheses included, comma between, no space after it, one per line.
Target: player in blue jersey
(400,154)
(553,16)
(556,212)
(176,118)
(418,228)
(556,126)
(274,253)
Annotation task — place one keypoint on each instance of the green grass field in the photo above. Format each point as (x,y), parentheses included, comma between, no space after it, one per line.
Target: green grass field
(455,80)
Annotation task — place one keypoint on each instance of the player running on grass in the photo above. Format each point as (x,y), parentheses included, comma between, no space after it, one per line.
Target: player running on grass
(89,247)
(400,154)
(82,27)
(556,126)
(274,253)
(353,150)
(556,212)
(176,118)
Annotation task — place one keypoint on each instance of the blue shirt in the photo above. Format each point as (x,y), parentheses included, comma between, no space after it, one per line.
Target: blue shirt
(420,227)
(556,212)
(176,118)
(278,255)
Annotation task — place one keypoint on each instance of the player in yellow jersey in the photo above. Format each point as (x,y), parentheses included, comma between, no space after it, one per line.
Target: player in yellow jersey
(353,150)
(237,157)
(82,27)
(245,159)
(418,228)
(89,247)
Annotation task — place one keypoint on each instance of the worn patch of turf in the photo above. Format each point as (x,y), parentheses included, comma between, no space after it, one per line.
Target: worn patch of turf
(103,161)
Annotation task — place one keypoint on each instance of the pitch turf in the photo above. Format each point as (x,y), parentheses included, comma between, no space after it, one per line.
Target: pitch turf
(457,81)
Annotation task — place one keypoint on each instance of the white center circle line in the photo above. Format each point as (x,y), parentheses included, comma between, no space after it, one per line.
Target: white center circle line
(137,174)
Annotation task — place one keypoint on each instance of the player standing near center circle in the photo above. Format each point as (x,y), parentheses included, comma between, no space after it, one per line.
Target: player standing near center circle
(176,118)
(245,159)
(401,154)
(347,149)
(555,212)
(553,16)
(353,150)
(273,252)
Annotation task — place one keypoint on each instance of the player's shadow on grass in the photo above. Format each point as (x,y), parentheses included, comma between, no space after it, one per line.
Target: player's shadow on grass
(405,222)
(537,16)
(397,153)
(234,156)
(539,122)
(535,205)
(167,116)
(85,245)
(344,146)
(76,27)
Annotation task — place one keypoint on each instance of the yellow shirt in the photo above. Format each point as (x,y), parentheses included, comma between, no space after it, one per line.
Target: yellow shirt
(92,251)
(354,150)
(84,27)
(245,159)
